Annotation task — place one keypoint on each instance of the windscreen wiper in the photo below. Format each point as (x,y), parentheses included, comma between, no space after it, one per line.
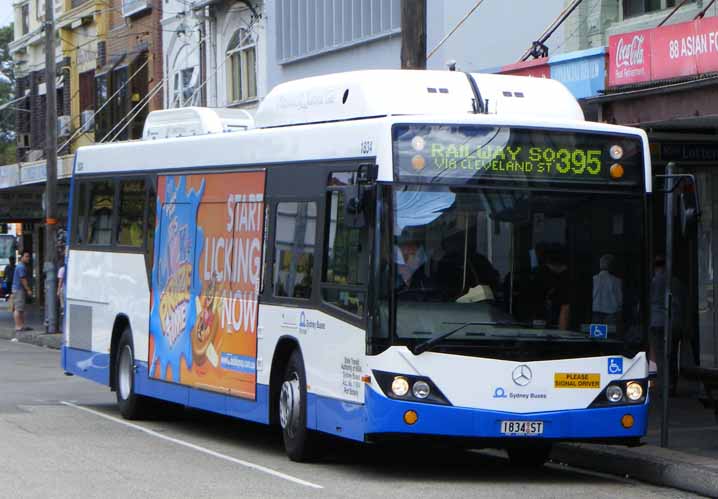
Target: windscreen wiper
(423,347)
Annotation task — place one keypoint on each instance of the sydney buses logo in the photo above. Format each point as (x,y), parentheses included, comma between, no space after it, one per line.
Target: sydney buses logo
(522,375)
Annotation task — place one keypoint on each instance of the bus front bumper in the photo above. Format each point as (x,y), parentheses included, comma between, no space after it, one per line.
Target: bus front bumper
(386,418)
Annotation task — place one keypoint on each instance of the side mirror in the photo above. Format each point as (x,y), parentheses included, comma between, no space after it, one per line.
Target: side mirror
(353,196)
(688,211)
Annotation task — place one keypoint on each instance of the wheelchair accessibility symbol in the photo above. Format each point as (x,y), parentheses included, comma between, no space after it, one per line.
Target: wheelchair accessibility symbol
(598,331)
(615,365)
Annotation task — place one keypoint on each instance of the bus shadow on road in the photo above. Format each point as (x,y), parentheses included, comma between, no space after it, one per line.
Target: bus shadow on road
(396,461)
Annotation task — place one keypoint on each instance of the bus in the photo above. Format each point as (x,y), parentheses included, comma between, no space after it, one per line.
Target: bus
(376,256)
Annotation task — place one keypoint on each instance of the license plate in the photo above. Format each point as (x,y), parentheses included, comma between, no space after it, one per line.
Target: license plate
(522,427)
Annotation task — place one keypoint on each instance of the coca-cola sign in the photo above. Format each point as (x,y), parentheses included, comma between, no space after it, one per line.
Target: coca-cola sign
(629,58)
(630,54)
(681,49)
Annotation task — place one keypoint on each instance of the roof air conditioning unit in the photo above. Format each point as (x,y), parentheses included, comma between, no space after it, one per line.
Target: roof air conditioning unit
(63,126)
(190,121)
(87,120)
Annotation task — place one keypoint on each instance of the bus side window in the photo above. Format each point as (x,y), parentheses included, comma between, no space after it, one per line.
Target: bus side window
(294,244)
(345,254)
(81,213)
(102,194)
(131,213)
(151,222)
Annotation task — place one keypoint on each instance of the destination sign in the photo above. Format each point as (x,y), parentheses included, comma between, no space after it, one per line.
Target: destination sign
(462,153)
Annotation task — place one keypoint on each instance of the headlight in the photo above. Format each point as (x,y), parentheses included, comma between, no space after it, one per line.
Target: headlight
(400,386)
(614,393)
(421,389)
(634,391)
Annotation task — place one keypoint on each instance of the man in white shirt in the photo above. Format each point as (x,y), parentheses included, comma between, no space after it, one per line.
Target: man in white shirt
(607,294)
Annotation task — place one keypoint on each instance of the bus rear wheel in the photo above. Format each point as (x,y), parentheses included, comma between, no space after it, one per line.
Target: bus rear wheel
(300,443)
(529,456)
(132,405)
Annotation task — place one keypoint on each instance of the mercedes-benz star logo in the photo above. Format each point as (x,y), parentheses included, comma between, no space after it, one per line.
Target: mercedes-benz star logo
(522,375)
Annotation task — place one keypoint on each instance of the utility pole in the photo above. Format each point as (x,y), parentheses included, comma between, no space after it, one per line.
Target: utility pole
(51,176)
(413,34)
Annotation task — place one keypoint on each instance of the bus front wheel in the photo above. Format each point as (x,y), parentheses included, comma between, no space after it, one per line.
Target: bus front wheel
(300,443)
(132,406)
(529,456)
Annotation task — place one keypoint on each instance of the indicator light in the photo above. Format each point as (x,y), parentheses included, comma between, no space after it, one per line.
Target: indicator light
(418,162)
(411,417)
(616,171)
(627,421)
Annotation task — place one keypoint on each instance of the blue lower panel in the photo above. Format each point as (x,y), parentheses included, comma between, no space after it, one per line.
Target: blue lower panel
(90,365)
(343,419)
(387,416)
(252,410)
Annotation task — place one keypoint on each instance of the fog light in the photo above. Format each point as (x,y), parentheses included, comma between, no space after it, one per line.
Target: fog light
(616,152)
(400,386)
(421,389)
(634,391)
(614,393)
(411,417)
(616,171)
(627,421)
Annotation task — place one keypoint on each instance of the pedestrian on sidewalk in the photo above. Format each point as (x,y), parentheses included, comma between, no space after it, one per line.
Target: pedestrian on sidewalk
(658,317)
(61,276)
(21,292)
(9,275)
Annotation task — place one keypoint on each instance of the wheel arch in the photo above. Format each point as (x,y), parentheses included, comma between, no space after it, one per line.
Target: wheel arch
(121,323)
(285,346)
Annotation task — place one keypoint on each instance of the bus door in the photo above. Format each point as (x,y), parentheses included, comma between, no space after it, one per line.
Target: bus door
(205,281)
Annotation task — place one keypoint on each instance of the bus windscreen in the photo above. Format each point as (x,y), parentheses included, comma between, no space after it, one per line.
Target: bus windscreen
(463,154)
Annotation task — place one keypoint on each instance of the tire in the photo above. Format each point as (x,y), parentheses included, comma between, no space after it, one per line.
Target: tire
(132,406)
(532,455)
(300,443)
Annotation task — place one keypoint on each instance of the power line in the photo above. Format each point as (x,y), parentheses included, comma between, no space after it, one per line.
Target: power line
(458,25)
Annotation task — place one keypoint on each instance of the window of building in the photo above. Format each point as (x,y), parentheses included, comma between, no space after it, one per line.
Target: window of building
(632,8)
(346,256)
(120,104)
(25,19)
(184,87)
(103,117)
(308,27)
(102,194)
(294,249)
(242,67)
(131,213)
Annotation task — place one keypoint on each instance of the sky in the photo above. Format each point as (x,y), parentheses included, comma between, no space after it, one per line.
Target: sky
(6,16)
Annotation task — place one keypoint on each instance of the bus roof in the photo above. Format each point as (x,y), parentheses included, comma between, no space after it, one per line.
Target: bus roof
(367,94)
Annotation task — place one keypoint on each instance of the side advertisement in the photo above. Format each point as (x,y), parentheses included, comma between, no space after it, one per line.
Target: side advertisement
(205,281)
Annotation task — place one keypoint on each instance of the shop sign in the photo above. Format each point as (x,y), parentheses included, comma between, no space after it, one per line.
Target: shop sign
(538,68)
(673,51)
(689,152)
(583,72)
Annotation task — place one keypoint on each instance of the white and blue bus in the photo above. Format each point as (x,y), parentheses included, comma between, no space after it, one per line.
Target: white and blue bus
(376,255)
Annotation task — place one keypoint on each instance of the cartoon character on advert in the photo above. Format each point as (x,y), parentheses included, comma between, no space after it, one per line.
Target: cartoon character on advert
(206,334)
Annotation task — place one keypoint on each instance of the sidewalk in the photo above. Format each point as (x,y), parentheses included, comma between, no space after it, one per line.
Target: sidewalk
(690,464)
(34,318)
